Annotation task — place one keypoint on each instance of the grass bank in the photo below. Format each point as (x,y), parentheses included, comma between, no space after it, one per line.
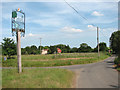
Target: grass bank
(55,60)
(118,69)
(117,63)
(37,78)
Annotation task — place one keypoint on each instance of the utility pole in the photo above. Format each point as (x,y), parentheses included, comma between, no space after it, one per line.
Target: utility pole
(40,45)
(98,41)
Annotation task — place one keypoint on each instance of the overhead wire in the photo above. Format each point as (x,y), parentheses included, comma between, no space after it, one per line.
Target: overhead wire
(78,12)
(83,17)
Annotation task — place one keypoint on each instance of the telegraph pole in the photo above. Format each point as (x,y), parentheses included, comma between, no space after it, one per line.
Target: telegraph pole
(98,41)
(40,45)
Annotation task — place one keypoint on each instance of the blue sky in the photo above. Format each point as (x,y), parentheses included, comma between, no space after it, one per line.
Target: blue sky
(57,23)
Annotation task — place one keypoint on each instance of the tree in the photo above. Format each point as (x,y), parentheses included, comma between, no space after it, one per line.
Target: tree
(28,50)
(115,42)
(115,45)
(67,48)
(33,49)
(23,51)
(84,48)
(74,49)
(39,49)
(102,47)
(8,47)
(64,48)
(53,49)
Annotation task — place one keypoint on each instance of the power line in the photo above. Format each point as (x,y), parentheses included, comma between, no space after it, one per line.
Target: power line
(103,35)
(78,12)
(88,22)
(83,17)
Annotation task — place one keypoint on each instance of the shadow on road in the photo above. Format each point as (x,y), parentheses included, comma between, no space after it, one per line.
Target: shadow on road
(111,67)
(110,62)
(114,86)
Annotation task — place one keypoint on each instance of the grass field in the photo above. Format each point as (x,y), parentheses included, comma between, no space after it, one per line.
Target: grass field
(55,60)
(118,69)
(38,78)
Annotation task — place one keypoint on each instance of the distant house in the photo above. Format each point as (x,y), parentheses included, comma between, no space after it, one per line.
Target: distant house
(44,51)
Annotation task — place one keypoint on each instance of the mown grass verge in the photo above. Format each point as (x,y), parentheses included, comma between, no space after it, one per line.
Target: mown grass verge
(38,78)
(55,60)
(117,63)
(118,69)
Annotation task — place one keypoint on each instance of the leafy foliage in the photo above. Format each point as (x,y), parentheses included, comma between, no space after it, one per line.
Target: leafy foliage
(8,47)
(115,42)
(117,61)
(74,49)
(51,49)
(115,45)
(102,47)
(84,48)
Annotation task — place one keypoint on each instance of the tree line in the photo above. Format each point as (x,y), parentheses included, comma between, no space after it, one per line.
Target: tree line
(65,48)
(9,48)
(115,45)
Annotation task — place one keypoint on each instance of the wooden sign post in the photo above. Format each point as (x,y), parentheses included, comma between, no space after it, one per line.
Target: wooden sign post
(18,29)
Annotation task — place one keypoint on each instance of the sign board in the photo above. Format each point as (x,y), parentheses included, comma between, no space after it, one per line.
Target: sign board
(14,14)
(18,21)
(59,50)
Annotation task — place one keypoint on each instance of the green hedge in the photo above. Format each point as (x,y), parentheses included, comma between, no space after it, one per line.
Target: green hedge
(117,62)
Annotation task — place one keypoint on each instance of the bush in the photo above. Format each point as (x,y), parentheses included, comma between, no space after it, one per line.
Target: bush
(117,61)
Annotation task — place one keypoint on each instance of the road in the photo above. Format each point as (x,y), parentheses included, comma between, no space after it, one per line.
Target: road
(96,75)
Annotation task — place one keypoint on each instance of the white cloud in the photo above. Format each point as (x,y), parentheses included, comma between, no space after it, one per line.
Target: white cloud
(95,13)
(47,22)
(109,30)
(31,35)
(71,30)
(91,27)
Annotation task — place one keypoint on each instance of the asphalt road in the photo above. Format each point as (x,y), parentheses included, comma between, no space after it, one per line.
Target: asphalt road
(96,75)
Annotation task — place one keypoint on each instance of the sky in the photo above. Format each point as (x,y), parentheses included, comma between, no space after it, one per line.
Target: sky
(57,23)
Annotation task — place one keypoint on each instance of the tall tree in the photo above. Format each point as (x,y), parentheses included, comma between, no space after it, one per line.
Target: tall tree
(102,47)
(28,50)
(63,47)
(23,51)
(67,48)
(84,48)
(8,47)
(53,49)
(74,49)
(115,42)
(33,49)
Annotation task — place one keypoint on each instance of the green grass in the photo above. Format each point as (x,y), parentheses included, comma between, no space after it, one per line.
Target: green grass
(117,62)
(118,69)
(55,60)
(37,78)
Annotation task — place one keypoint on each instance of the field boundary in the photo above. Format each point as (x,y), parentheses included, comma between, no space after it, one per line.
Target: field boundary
(55,66)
